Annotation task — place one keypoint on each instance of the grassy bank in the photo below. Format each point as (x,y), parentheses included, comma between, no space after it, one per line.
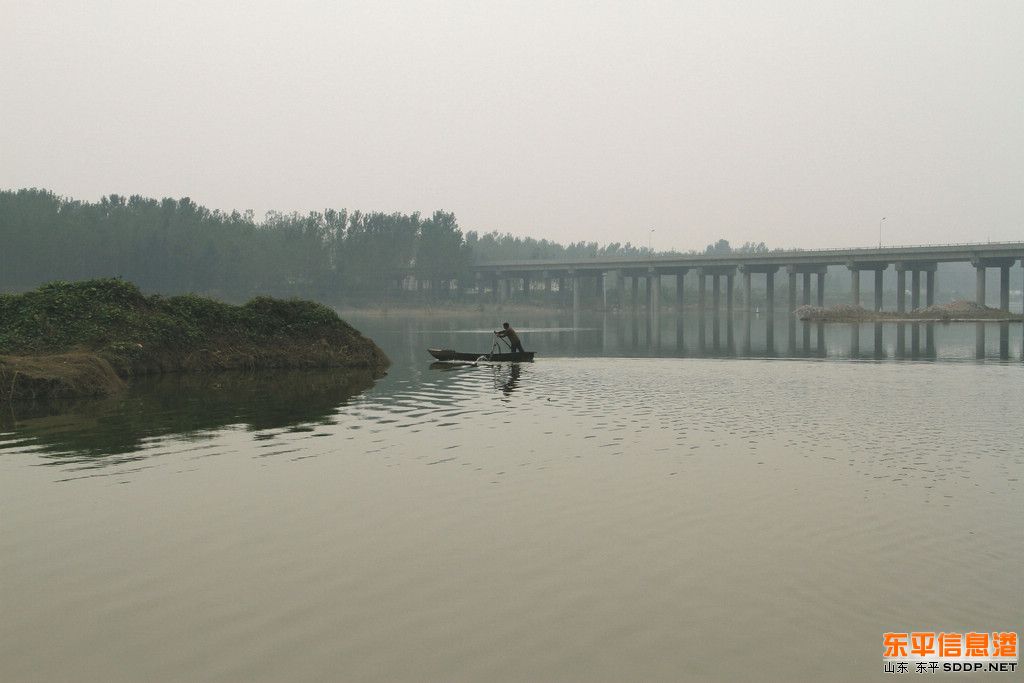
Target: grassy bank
(79,338)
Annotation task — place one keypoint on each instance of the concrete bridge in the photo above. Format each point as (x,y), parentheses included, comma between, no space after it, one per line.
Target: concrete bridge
(607,277)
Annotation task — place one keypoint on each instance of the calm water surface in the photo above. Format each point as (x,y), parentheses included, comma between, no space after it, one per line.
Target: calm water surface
(688,501)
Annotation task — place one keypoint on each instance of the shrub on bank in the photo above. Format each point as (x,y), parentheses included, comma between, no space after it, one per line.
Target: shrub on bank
(139,334)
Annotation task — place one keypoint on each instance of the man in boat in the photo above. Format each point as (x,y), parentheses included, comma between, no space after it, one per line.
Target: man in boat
(508,333)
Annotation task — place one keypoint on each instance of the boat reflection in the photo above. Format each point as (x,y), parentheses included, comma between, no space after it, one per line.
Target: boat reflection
(448,366)
(506,378)
(506,375)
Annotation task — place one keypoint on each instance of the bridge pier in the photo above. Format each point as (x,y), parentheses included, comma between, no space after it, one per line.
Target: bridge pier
(1003,264)
(901,290)
(613,289)
(821,290)
(654,302)
(576,287)
(728,295)
(716,273)
(701,289)
(916,268)
(792,291)
(748,269)
(679,292)
(1004,287)
(878,288)
(499,287)
(806,270)
(855,267)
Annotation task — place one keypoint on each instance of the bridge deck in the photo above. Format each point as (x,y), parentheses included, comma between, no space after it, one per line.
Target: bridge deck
(942,253)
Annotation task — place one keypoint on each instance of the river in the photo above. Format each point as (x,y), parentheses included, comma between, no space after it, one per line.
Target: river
(702,500)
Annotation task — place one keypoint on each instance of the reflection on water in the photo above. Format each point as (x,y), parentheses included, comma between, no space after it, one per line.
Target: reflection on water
(511,379)
(195,405)
(506,375)
(739,336)
(186,404)
(635,505)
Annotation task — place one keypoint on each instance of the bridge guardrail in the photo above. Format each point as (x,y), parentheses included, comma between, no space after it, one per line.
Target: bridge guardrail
(773,254)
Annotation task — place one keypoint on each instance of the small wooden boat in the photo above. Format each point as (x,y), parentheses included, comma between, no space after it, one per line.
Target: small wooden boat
(449,354)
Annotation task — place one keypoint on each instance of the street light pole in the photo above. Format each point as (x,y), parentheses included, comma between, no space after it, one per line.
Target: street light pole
(880,232)
(650,242)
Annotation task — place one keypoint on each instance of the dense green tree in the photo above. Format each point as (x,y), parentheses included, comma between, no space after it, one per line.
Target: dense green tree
(175,245)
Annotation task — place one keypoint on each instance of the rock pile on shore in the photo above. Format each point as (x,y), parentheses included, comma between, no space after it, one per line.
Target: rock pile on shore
(838,312)
(960,309)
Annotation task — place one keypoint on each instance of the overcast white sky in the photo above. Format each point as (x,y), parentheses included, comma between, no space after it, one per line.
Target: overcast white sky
(793,123)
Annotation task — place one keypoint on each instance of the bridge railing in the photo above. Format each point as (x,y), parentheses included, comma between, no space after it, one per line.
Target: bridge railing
(772,254)
(905,246)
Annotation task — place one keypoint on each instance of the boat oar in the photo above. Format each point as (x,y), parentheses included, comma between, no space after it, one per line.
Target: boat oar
(494,346)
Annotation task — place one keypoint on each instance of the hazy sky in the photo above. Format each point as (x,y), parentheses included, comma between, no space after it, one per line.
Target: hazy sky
(792,123)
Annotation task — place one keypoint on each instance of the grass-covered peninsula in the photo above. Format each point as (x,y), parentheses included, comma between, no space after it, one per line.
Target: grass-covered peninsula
(952,312)
(86,338)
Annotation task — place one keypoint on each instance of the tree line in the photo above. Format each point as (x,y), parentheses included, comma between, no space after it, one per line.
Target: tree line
(175,245)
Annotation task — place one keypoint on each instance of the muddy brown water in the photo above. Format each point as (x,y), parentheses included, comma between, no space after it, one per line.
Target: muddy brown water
(625,508)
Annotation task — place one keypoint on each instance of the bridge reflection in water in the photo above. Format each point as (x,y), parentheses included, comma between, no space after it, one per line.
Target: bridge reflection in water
(749,335)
